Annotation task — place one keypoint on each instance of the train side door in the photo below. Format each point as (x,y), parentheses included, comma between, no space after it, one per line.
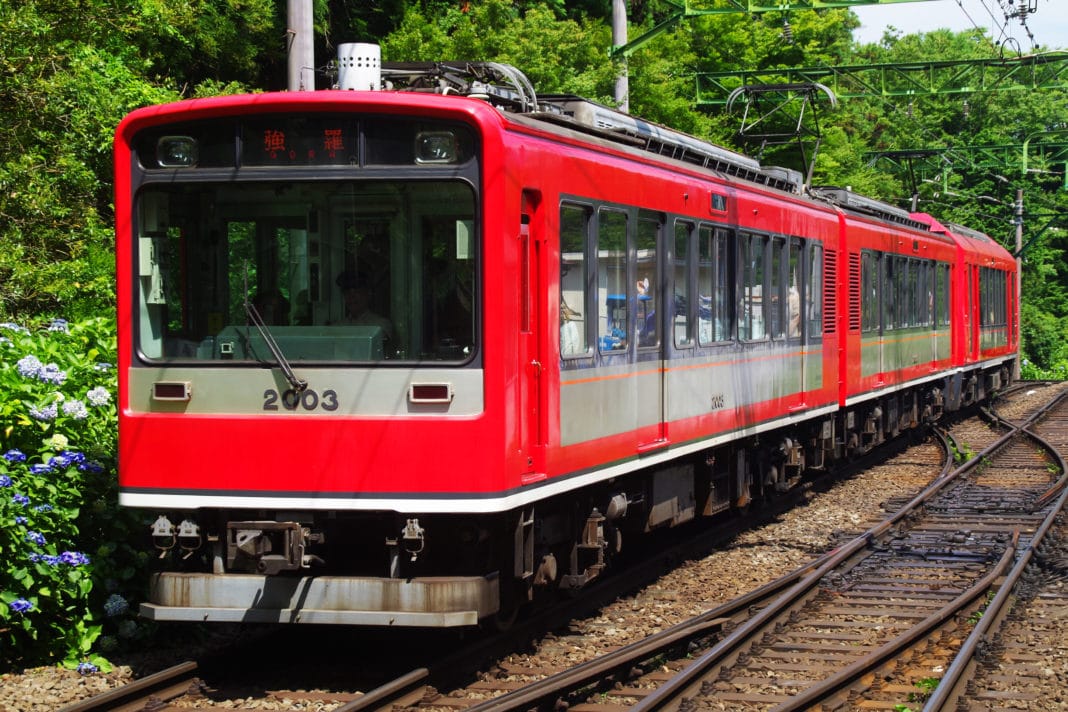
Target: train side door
(650,326)
(970,322)
(531,339)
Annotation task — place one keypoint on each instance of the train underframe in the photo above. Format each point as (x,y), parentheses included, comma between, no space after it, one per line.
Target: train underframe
(447,570)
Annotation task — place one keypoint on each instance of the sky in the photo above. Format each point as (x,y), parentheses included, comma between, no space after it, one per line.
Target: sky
(1048,24)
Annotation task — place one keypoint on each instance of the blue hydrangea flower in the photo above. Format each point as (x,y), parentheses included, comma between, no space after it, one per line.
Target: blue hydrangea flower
(103,366)
(20,499)
(5,481)
(49,412)
(5,341)
(87,668)
(15,456)
(59,325)
(20,519)
(43,508)
(74,558)
(50,559)
(116,605)
(98,397)
(35,538)
(29,366)
(51,373)
(20,605)
(40,469)
(11,326)
(75,409)
(91,466)
(72,457)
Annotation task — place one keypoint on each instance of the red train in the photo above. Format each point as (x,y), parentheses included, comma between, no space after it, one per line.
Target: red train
(407,357)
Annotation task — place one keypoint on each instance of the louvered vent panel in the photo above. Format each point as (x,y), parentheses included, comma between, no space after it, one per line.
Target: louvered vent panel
(830,291)
(854,292)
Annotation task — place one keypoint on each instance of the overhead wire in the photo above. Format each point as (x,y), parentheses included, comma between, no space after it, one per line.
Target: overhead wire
(952,156)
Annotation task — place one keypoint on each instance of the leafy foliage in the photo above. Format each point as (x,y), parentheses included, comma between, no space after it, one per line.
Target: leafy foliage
(70,71)
(63,551)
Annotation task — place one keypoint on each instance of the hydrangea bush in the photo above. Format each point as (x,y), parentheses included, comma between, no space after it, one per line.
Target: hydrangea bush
(65,557)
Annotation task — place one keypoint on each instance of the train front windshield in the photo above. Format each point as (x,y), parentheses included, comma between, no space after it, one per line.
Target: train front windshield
(335,271)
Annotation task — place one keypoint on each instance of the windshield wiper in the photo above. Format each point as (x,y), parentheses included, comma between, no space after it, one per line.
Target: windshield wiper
(299,384)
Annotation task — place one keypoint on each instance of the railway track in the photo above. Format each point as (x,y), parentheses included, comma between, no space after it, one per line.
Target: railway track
(937,559)
(870,626)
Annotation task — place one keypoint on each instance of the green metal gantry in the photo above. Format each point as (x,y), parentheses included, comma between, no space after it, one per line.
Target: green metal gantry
(1048,70)
(685,11)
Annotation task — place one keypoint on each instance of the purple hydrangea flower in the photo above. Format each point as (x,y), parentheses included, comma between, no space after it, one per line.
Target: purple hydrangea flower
(98,396)
(20,605)
(116,605)
(75,409)
(49,412)
(87,668)
(29,366)
(51,373)
(15,456)
(35,538)
(91,466)
(67,458)
(74,558)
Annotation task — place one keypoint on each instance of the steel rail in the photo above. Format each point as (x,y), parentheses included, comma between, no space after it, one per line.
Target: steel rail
(548,691)
(888,651)
(954,682)
(727,650)
(164,685)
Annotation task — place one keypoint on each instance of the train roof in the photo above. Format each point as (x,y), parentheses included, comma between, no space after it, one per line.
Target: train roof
(870,207)
(483,80)
(977,243)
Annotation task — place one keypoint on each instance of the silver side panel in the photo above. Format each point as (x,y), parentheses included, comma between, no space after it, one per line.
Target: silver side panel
(356,391)
(438,602)
(599,402)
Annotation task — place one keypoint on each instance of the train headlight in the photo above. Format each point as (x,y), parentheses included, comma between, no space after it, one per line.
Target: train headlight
(177,152)
(435,147)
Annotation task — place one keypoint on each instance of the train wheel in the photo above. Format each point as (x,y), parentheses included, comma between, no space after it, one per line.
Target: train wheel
(512,600)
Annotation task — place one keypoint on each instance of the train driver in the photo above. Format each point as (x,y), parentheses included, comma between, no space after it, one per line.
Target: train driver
(356,292)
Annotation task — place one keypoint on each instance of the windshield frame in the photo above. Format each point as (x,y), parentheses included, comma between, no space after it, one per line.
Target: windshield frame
(468,175)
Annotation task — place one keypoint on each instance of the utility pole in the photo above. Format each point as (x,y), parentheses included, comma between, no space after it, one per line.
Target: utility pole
(619,38)
(1019,278)
(301,50)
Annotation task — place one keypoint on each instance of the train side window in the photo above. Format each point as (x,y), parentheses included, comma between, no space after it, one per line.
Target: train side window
(928,293)
(814,293)
(869,291)
(713,285)
(722,315)
(886,285)
(647,304)
(793,289)
(574,304)
(612,301)
(752,315)
(682,314)
(776,290)
(913,286)
(941,294)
